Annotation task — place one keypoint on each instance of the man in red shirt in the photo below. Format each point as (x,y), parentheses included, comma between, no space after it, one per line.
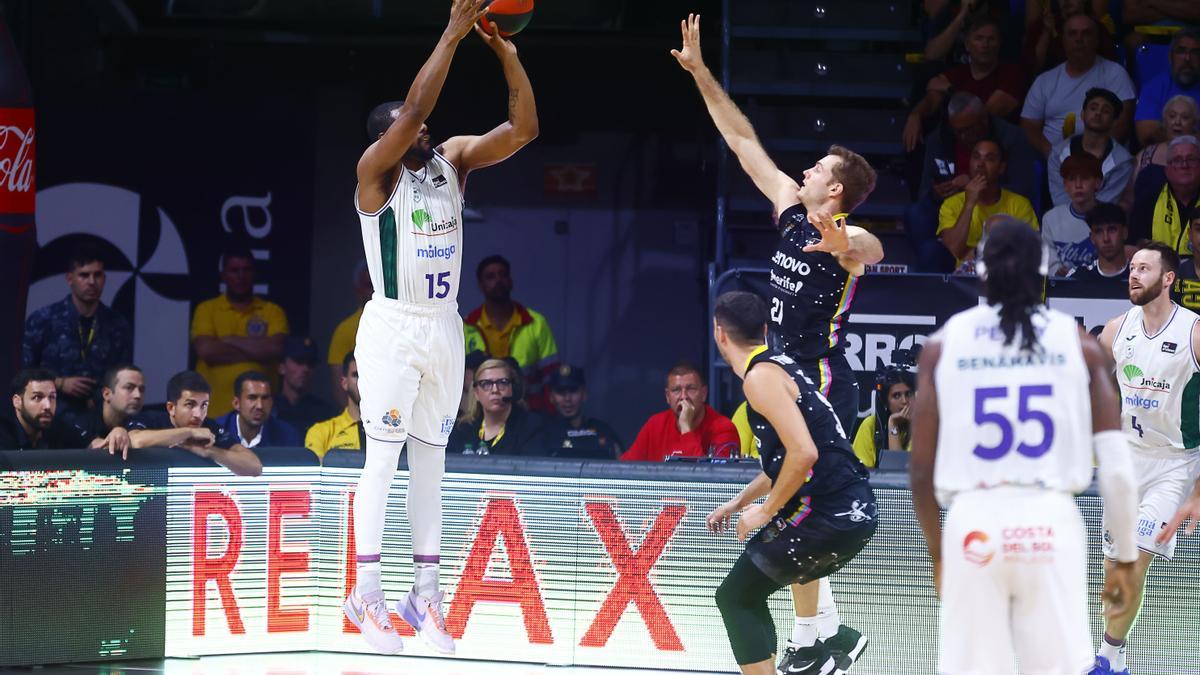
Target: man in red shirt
(688,428)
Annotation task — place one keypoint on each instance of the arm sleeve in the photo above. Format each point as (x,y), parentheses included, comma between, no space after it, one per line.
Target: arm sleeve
(864,442)
(317,439)
(1115,182)
(202,321)
(948,213)
(277,321)
(1035,100)
(1024,210)
(1119,491)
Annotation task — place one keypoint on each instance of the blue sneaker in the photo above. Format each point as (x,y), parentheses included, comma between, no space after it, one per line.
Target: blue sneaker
(1103,667)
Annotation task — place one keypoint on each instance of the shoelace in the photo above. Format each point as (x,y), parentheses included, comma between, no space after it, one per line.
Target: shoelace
(378,611)
(435,611)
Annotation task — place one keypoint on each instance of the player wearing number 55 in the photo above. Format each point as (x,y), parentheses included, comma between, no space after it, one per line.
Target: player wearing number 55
(409,346)
(1016,403)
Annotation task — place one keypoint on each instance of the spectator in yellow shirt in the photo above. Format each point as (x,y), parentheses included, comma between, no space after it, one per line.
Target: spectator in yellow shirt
(889,427)
(344,432)
(344,336)
(237,331)
(962,215)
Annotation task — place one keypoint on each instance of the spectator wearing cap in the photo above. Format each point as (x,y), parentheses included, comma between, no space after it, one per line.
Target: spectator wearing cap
(251,421)
(572,435)
(1183,77)
(79,337)
(1107,230)
(499,423)
(295,405)
(236,331)
(1101,108)
(1064,228)
(31,423)
(1048,115)
(344,432)
(342,342)
(689,427)
(504,328)
(1163,216)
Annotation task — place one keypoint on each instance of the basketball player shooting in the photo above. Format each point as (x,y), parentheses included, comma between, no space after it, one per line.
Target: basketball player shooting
(813,276)
(410,340)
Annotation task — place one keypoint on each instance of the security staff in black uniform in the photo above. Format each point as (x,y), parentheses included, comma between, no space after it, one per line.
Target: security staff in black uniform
(572,435)
(819,510)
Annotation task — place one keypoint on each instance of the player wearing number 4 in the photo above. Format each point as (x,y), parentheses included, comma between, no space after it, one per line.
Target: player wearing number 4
(813,276)
(409,346)
(1155,345)
(1014,397)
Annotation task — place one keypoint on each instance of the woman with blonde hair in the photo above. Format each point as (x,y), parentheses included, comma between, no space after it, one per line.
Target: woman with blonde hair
(498,423)
(1150,172)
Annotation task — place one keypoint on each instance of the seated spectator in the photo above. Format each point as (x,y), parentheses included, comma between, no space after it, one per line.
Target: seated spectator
(1161,217)
(1000,86)
(295,405)
(1044,28)
(1064,228)
(237,331)
(342,342)
(78,337)
(251,421)
(1150,174)
(571,435)
(32,424)
(185,424)
(500,424)
(124,390)
(503,328)
(947,169)
(890,425)
(961,218)
(1051,104)
(689,427)
(942,24)
(1182,79)
(1101,108)
(466,404)
(344,432)
(1106,226)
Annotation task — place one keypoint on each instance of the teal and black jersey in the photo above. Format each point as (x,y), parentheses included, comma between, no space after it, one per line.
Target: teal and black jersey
(836,465)
(810,292)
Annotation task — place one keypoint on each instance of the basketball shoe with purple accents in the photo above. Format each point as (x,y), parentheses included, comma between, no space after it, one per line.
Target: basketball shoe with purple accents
(1103,667)
(368,611)
(426,617)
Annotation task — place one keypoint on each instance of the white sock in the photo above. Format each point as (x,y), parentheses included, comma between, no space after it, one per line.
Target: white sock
(1114,653)
(370,508)
(426,466)
(804,631)
(828,619)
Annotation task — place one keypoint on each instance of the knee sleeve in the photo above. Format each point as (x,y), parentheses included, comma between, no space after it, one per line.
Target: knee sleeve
(426,466)
(742,600)
(371,495)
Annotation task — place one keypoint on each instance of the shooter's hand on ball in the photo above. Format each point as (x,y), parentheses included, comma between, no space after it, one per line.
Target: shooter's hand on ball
(501,46)
(463,15)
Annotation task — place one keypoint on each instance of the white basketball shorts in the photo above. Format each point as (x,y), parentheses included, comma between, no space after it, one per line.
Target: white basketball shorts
(1014,585)
(410,370)
(1164,483)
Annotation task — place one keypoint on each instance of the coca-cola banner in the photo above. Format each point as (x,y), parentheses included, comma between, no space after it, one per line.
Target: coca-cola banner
(162,182)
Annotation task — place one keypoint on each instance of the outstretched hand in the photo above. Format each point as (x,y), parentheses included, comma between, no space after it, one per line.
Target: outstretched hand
(463,15)
(688,55)
(502,46)
(834,237)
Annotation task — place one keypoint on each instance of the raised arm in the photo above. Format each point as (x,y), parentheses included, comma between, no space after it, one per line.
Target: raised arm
(733,125)
(475,152)
(385,153)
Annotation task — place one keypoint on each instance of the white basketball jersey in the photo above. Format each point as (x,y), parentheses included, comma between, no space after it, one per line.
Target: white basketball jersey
(1160,385)
(414,243)
(1008,417)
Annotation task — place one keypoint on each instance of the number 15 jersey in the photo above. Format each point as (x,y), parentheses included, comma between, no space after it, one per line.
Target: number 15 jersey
(414,243)
(1007,416)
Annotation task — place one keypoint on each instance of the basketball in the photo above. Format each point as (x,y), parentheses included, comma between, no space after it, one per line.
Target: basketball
(510,16)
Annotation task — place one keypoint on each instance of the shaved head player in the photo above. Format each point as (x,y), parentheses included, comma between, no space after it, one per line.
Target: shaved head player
(410,340)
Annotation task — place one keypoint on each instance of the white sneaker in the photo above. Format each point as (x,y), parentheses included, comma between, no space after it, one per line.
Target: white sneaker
(369,613)
(425,616)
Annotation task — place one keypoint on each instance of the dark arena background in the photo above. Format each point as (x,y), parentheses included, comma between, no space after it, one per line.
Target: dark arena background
(164,132)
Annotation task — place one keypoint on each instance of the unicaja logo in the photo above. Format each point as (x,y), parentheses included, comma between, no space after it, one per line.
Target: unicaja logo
(425,223)
(1131,372)
(420,217)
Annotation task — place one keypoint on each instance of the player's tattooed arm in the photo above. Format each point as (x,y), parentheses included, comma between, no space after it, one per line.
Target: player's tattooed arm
(924,454)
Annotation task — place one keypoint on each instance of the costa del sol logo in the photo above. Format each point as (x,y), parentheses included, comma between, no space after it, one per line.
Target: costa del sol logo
(976,548)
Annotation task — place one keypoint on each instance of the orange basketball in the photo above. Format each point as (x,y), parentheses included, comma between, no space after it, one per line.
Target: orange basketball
(510,16)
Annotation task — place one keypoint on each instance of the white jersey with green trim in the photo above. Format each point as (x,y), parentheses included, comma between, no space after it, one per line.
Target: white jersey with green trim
(1160,383)
(413,243)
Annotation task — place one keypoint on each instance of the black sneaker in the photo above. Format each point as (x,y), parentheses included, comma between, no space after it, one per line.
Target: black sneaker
(814,660)
(846,647)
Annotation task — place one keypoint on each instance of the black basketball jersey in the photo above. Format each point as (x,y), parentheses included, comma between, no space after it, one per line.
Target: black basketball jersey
(810,292)
(836,466)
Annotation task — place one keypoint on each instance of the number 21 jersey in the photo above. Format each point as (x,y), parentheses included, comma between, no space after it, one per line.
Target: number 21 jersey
(1007,416)
(414,243)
